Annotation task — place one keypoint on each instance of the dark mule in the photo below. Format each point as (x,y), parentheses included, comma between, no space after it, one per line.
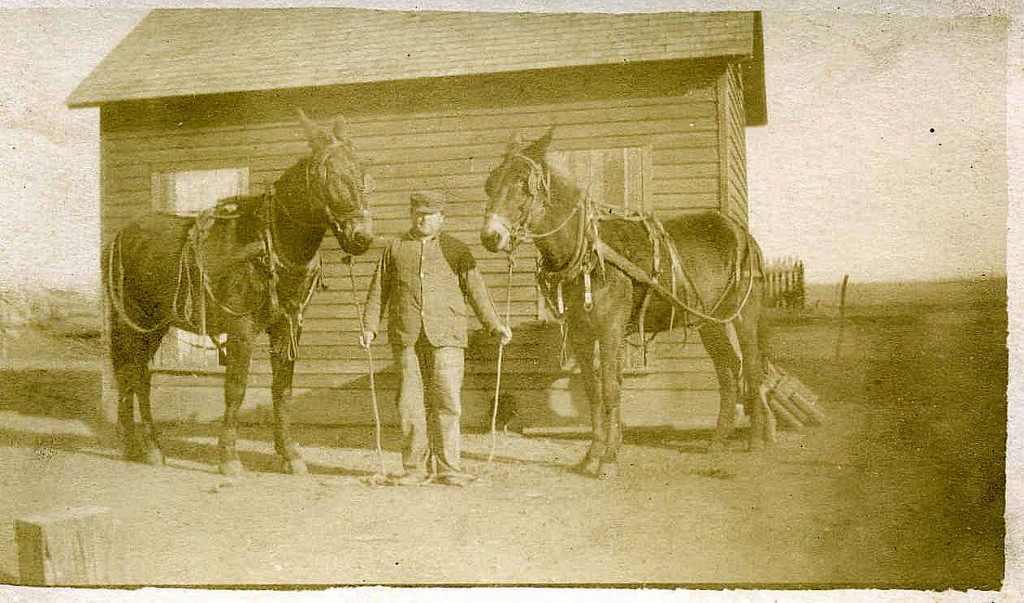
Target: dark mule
(598,261)
(246,267)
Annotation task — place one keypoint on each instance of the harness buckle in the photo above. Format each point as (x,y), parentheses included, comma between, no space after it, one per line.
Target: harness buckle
(588,296)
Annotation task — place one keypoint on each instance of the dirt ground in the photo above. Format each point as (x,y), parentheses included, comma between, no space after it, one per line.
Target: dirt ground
(903,488)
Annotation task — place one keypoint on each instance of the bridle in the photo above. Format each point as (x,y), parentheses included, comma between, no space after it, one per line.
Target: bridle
(319,198)
(581,260)
(538,184)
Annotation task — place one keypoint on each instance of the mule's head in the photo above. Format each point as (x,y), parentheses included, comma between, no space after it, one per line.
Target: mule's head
(339,185)
(517,192)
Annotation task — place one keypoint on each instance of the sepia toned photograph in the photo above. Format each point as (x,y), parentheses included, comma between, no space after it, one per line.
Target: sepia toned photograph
(645,296)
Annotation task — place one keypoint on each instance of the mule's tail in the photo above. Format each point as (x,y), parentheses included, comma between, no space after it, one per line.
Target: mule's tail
(759,276)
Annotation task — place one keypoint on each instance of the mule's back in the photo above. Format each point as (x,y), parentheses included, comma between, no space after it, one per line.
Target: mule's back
(149,249)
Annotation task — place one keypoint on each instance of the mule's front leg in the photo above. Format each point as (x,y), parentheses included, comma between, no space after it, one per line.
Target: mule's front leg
(235,380)
(281,391)
(583,348)
(611,392)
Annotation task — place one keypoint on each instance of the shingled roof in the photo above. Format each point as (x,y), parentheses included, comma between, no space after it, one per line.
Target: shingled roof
(182,52)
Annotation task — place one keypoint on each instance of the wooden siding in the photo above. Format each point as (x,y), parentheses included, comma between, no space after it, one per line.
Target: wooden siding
(733,141)
(453,149)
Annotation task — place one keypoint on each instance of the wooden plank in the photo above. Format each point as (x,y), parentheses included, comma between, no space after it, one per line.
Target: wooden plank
(666,202)
(688,373)
(270,161)
(78,546)
(693,186)
(338,301)
(684,171)
(483,380)
(342,347)
(736,148)
(785,418)
(685,156)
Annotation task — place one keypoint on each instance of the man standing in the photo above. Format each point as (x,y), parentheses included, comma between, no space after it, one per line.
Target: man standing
(424,278)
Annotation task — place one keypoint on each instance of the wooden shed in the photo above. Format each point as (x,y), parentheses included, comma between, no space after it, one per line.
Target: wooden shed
(649,109)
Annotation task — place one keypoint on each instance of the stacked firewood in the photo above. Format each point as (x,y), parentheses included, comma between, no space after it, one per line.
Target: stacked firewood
(792,404)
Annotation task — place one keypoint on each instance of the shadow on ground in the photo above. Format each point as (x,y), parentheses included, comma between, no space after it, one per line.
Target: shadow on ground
(56,409)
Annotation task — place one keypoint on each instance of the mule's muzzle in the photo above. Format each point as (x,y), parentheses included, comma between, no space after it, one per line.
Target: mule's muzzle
(495,236)
(355,236)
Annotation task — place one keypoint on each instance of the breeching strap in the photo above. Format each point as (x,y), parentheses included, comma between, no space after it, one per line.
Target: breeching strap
(638,274)
(369,360)
(501,355)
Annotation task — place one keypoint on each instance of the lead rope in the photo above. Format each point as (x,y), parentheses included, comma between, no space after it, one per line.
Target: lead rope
(382,475)
(501,356)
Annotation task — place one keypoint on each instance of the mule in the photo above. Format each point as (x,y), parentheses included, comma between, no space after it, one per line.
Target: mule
(246,267)
(610,271)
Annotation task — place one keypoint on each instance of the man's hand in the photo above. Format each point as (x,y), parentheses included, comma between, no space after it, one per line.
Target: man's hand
(367,338)
(506,334)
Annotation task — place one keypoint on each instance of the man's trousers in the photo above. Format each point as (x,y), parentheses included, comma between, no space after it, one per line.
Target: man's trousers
(429,406)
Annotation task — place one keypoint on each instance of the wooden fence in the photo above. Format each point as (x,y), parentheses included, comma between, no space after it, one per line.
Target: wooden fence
(786,284)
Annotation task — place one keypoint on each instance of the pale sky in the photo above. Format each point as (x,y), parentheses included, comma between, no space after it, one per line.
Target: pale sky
(847,175)
(885,151)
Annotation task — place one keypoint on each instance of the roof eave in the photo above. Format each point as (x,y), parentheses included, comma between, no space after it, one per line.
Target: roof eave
(79,101)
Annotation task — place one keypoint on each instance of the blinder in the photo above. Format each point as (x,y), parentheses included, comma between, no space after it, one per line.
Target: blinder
(536,179)
(323,195)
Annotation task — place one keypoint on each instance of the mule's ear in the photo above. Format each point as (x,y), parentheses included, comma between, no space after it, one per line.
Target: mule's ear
(318,137)
(515,143)
(539,147)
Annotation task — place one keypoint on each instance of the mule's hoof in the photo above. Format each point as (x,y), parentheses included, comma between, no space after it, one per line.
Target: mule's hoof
(608,471)
(155,457)
(294,467)
(232,468)
(756,445)
(716,447)
(589,466)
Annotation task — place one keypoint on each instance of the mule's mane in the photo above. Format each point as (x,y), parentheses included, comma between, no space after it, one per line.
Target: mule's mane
(293,182)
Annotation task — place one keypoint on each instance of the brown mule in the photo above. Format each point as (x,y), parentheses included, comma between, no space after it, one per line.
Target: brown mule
(602,263)
(247,267)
